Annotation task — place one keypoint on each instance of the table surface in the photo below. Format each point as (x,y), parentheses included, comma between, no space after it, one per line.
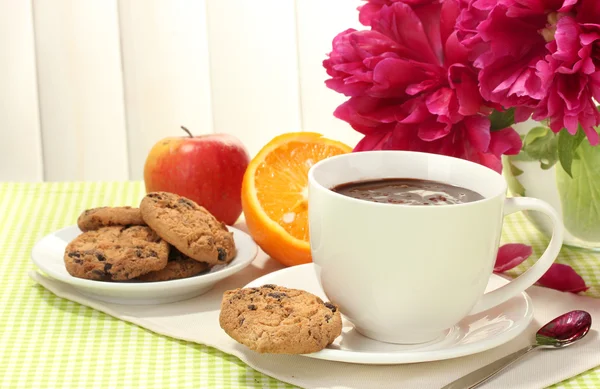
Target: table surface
(48,342)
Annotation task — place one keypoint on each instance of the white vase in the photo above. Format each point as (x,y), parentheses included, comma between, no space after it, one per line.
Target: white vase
(577,198)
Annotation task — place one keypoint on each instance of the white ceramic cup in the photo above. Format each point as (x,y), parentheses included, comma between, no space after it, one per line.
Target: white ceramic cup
(405,273)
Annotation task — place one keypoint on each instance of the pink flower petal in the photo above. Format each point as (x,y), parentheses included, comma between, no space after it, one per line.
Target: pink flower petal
(505,141)
(489,160)
(567,5)
(478,132)
(417,111)
(564,278)
(567,40)
(430,18)
(366,114)
(511,255)
(443,102)
(464,81)
(400,22)
(350,112)
(456,52)
(589,11)
(449,13)
(415,89)
(374,141)
(392,75)
(434,131)
(368,12)
(522,113)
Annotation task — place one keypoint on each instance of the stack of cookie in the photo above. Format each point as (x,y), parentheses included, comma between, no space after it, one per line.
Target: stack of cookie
(168,237)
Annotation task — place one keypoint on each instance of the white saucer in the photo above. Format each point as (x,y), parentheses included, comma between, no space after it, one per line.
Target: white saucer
(473,334)
(48,255)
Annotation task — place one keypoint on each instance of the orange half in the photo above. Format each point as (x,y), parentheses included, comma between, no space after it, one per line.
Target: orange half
(275,189)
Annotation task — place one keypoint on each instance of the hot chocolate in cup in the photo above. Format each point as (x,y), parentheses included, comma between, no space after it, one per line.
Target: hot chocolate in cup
(407,270)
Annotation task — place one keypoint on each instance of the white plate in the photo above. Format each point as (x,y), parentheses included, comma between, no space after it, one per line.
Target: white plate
(48,255)
(473,334)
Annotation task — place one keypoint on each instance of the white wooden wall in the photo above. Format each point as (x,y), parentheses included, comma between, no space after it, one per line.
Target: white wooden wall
(88,86)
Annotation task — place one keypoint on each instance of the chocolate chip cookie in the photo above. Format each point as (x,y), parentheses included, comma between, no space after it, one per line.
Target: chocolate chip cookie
(274,319)
(189,227)
(95,218)
(179,266)
(116,253)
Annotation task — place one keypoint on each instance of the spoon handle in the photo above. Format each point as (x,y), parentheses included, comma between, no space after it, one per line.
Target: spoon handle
(481,375)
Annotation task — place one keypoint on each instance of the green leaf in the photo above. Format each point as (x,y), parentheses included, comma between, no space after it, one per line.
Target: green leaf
(580,193)
(511,174)
(535,133)
(567,147)
(501,120)
(522,157)
(542,144)
(515,171)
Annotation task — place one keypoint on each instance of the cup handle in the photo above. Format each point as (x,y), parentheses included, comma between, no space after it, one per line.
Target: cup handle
(535,272)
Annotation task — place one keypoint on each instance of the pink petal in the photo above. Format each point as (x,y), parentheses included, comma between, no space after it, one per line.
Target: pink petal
(368,12)
(439,102)
(522,113)
(415,89)
(491,161)
(450,12)
(567,39)
(567,5)
(592,136)
(399,22)
(564,278)
(374,141)
(589,38)
(455,51)
(417,111)
(589,11)
(478,132)
(464,81)
(505,141)
(511,255)
(435,131)
(351,112)
(391,77)
(430,18)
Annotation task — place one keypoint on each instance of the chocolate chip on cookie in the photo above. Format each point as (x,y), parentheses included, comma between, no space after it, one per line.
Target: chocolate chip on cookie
(95,218)
(116,253)
(179,266)
(274,319)
(188,227)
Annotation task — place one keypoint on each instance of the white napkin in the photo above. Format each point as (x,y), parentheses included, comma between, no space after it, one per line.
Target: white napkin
(196,320)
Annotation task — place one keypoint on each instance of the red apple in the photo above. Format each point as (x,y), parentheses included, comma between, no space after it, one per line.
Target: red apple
(207,169)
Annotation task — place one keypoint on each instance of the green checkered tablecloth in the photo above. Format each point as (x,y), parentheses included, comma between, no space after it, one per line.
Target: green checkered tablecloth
(48,342)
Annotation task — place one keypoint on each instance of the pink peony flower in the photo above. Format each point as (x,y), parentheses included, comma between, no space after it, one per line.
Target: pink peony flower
(513,48)
(412,86)
(539,56)
(573,79)
(393,125)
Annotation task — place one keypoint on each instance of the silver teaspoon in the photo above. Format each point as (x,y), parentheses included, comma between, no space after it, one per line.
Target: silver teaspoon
(560,332)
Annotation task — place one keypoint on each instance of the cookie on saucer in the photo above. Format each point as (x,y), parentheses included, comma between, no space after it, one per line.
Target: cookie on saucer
(189,227)
(274,319)
(116,253)
(95,218)
(179,266)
